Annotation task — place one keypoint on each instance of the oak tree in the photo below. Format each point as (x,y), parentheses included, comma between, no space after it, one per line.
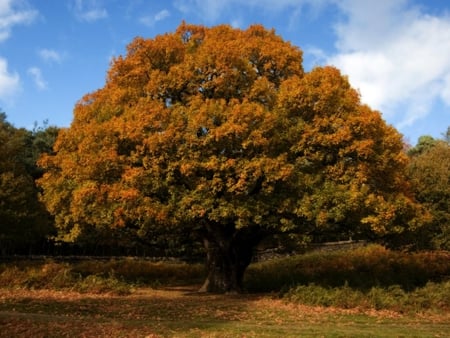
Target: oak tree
(220,133)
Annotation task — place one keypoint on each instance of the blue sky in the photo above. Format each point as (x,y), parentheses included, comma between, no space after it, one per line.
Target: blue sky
(395,52)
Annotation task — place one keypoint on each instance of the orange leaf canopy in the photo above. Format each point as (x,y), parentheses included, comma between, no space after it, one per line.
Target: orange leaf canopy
(221,128)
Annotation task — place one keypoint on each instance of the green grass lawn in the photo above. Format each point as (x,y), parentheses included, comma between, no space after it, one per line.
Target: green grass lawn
(181,312)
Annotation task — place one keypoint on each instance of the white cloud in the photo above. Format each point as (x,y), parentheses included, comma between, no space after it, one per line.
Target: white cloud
(370,24)
(50,55)
(396,55)
(153,19)
(9,82)
(14,13)
(38,79)
(89,10)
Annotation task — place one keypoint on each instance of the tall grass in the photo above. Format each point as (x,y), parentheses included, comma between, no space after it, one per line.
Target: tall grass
(114,276)
(144,272)
(59,276)
(361,268)
(368,277)
(435,296)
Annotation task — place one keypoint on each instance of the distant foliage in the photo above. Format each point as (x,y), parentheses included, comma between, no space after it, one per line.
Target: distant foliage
(24,221)
(429,172)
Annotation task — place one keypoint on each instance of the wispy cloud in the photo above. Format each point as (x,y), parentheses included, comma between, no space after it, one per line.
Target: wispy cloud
(208,9)
(38,79)
(89,10)
(212,10)
(50,55)
(9,82)
(151,20)
(14,13)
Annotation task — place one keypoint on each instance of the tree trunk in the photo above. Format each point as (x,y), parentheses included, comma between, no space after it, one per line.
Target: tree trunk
(227,258)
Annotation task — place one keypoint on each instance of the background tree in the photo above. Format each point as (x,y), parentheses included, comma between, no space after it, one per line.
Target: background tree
(429,172)
(219,133)
(24,220)
(424,143)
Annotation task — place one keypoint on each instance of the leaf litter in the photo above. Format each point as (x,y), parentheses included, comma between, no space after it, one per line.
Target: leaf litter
(177,312)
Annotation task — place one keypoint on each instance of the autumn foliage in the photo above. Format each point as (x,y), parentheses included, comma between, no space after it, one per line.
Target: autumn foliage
(219,133)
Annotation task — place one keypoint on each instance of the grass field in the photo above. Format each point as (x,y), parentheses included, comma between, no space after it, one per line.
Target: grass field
(368,292)
(181,312)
